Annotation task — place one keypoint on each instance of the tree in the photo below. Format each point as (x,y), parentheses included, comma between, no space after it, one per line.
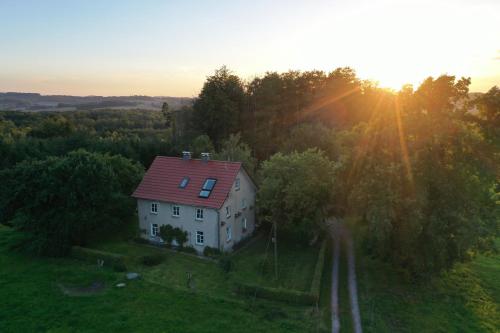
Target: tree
(63,201)
(218,107)
(311,135)
(422,180)
(201,144)
(56,126)
(170,120)
(295,190)
(233,149)
(489,113)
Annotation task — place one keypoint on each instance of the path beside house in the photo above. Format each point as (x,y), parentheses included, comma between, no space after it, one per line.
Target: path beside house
(335,283)
(340,234)
(351,278)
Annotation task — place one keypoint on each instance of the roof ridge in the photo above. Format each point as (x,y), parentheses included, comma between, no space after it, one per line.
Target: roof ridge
(197,159)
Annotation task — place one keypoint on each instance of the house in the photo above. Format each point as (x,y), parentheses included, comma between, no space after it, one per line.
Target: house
(213,201)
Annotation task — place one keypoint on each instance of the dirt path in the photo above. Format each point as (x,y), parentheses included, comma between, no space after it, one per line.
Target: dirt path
(341,235)
(351,278)
(335,285)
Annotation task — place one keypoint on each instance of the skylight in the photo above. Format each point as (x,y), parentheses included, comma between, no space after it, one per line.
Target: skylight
(184,182)
(207,188)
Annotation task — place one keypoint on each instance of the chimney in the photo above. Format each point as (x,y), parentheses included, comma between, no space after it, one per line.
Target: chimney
(186,155)
(205,157)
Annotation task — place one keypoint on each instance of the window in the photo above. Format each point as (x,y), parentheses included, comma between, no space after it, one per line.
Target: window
(199,213)
(184,182)
(237,184)
(244,222)
(154,207)
(228,233)
(200,238)
(154,230)
(228,211)
(243,203)
(176,211)
(207,188)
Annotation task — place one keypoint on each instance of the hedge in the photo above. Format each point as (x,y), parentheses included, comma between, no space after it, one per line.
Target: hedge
(115,261)
(153,259)
(318,271)
(277,294)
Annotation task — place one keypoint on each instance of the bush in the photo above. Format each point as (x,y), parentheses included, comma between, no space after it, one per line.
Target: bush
(225,263)
(152,259)
(211,252)
(169,233)
(119,267)
(242,243)
(180,236)
(277,294)
(140,240)
(188,249)
(112,260)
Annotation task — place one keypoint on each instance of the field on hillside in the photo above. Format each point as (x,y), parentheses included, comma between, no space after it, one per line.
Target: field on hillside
(32,301)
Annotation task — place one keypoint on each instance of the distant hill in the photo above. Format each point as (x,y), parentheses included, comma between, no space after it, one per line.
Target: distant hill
(19,101)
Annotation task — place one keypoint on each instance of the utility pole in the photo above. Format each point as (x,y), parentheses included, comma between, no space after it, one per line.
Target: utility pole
(275,240)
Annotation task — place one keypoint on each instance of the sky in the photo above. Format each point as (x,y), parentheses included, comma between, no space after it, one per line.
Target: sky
(168,48)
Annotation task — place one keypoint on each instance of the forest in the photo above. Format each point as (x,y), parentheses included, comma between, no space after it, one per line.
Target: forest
(415,169)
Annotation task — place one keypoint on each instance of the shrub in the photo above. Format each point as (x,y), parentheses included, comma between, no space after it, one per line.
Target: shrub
(242,243)
(188,249)
(152,259)
(277,294)
(225,263)
(119,267)
(112,260)
(180,236)
(169,233)
(140,240)
(211,252)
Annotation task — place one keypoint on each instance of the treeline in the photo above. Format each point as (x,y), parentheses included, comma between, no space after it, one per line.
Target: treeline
(416,170)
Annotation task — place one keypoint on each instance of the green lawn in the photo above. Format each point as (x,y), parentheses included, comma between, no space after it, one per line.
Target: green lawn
(31,300)
(466,299)
(255,264)
(296,266)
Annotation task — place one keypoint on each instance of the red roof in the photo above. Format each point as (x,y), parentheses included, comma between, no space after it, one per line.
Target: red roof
(161,181)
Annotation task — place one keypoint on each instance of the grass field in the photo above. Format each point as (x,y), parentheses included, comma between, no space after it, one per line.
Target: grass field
(252,264)
(31,301)
(465,299)
(255,264)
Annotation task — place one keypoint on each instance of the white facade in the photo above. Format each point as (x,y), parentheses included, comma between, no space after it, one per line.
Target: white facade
(217,228)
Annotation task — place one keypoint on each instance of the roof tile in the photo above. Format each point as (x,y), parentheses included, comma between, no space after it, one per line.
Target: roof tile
(161,181)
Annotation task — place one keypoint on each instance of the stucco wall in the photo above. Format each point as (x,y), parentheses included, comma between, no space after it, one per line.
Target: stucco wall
(210,224)
(186,221)
(234,200)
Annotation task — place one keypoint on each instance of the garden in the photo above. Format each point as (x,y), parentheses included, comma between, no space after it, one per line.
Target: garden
(251,266)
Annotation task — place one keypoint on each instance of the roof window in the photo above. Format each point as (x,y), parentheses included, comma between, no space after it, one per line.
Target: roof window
(207,188)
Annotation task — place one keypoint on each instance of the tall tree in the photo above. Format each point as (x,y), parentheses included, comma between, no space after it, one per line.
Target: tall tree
(421,182)
(219,105)
(233,149)
(61,201)
(295,190)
